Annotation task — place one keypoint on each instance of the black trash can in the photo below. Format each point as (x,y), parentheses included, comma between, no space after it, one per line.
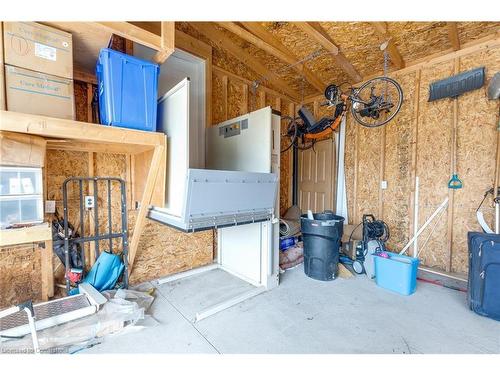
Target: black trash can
(321,238)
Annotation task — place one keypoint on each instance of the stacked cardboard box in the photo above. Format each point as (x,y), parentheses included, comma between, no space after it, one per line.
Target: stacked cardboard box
(38,70)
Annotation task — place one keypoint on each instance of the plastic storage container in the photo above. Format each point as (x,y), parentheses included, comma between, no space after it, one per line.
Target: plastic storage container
(128,89)
(21,198)
(397,273)
(321,238)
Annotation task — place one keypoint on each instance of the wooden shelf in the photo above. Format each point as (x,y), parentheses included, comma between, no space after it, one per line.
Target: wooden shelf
(69,134)
(17,236)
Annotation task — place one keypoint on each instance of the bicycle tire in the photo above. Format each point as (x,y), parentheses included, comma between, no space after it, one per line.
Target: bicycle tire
(293,139)
(358,118)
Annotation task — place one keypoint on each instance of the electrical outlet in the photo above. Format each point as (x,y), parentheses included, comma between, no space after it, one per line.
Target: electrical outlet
(50,207)
(383,185)
(89,202)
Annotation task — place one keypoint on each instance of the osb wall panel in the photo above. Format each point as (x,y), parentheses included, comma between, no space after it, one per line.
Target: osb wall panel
(477,122)
(433,161)
(80,90)
(368,170)
(476,138)
(234,99)
(398,148)
(217,100)
(163,251)
(109,165)
(20,274)
(285,161)
(349,165)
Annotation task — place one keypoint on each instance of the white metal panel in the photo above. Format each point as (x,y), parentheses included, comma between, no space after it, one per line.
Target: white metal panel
(178,66)
(173,120)
(248,151)
(241,253)
(216,198)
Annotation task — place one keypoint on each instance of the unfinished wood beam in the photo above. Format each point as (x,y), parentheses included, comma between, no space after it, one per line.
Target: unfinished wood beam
(47,271)
(414,156)
(2,72)
(225,83)
(134,33)
(261,99)
(140,221)
(244,99)
(269,44)
(167,42)
(319,35)
(382,30)
(453,35)
(220,39)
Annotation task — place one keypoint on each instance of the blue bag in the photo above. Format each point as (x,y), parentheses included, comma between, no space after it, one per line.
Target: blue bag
(104,273)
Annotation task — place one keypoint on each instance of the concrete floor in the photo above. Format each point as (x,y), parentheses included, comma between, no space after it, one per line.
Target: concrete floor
(307,316)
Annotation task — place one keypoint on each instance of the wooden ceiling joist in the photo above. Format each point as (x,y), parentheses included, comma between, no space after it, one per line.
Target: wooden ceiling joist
(381,29)
(219,38)
(453,35)
(319,35)
(262,39)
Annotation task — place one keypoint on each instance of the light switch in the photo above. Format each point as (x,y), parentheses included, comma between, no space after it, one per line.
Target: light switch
(383,185)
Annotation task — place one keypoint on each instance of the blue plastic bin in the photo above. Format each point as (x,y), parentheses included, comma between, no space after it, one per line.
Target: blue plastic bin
(397,273)
(128,89)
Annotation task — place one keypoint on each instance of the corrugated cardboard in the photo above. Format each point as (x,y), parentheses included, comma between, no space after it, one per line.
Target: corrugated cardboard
(40,94)
(22,150)
(38,47)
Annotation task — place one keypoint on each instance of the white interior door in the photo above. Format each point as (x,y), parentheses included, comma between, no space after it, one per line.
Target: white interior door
(173,120)
(316,180)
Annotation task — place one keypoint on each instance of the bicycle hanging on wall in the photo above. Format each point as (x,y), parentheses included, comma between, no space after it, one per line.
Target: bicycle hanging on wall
(373,104)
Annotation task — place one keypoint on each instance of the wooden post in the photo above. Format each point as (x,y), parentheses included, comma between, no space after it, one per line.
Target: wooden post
(167,42)
(316,109)
(291,113)
(2,72)
(261,100)
(381,173)
(225,83)
(355,216)
(244,99)
(140,222)
(91,220)
(414,155)
(90,95)
(47,271)
(453,169)
(277,104)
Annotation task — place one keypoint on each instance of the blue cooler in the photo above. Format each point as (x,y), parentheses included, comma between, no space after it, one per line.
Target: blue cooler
(128,90)
(397,273)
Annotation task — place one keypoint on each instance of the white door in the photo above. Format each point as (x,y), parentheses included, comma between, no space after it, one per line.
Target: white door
(316,171)
(178,66)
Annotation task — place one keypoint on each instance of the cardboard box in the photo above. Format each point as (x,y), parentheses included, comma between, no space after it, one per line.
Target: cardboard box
(22,150)
(37,47)
(40,94)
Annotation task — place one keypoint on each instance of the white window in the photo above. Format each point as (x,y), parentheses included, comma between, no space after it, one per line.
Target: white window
(21,196)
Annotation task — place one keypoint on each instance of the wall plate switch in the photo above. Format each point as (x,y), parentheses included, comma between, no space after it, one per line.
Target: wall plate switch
(383,185)
(50,207)
(89,202)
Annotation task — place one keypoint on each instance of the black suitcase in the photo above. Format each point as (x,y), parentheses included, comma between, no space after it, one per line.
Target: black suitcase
(484,274)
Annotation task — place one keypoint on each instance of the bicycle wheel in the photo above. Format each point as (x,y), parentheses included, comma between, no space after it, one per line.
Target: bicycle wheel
(376,102)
